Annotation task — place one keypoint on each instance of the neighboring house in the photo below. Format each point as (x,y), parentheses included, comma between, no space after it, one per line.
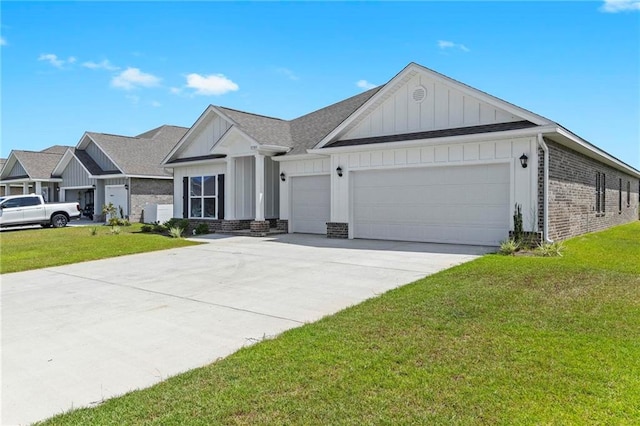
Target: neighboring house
(124,170)
(26,172)
(421,158)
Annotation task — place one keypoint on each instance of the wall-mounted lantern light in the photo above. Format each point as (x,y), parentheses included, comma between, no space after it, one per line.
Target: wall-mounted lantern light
(93,186)
(339,171)
(523,160)
(283,177)
(57,189)
(126,186)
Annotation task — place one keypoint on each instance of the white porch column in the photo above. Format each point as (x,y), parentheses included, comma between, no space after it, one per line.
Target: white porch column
(230,190)
(259,187)
(38,188)
(25,188)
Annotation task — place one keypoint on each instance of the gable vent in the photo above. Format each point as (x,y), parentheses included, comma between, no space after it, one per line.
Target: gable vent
(419,94)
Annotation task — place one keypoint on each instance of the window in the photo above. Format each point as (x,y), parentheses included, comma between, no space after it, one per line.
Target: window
(628,193)
(620,195)
(21,202)
(202,197)
(601,189)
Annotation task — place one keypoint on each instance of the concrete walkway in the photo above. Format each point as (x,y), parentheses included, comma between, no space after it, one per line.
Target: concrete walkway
(73,336)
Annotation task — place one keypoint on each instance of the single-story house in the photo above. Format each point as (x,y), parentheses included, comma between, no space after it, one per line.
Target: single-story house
(27,172)
(420,158)
(125,171)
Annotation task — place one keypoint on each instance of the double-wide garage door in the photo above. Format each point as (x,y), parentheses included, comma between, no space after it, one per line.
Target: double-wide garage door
(464,204)
(310,204)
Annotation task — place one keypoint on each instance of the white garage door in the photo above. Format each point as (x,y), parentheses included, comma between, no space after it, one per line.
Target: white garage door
(310,204)
(464,205)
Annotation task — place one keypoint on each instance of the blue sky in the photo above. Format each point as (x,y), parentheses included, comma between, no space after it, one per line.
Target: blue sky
(124,67)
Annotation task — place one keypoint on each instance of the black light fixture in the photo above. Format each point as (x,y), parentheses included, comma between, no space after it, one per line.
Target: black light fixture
(126,186)
(283,177)
(339,171)
(523,160)
(93,186)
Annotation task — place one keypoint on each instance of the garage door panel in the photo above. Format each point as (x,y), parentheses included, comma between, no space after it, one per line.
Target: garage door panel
(466,204)
(310,204)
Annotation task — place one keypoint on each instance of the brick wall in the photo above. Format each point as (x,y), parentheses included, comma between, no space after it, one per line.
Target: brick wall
(152,191)
(337,230)
(572,194)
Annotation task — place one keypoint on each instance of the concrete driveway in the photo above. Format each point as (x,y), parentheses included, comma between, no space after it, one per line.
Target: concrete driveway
(75,335)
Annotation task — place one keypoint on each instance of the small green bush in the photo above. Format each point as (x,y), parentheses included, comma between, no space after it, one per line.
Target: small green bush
(509,247)
(202,228)
(115,230)
(146,228)
(554,249)
(175,232)
(177,223)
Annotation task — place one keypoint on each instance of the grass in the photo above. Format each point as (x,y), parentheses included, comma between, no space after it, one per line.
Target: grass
(501,340)
(21,250)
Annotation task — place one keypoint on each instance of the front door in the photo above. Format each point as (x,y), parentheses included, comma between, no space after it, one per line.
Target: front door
(117,194)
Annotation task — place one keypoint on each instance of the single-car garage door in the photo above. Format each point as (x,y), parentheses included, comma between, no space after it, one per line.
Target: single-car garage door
(462,204)
(310,204)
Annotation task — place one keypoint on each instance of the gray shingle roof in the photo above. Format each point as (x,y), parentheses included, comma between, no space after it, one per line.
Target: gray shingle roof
(265,130)
(56,149)
(38,165)
(301,133)
(140,156)
(308,130)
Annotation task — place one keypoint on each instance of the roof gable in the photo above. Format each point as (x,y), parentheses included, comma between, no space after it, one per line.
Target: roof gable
(419,100)
(30,164)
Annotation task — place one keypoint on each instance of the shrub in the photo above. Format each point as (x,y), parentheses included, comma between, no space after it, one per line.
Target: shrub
(175,232)
(202,228)
(509,247)
(115,230)
(146,228)
(177,223)
(554,249)
(159,228)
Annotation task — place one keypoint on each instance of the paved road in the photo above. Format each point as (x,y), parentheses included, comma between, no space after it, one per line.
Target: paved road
(75,335)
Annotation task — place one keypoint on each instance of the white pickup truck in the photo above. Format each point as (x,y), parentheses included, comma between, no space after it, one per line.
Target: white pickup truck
(20,210)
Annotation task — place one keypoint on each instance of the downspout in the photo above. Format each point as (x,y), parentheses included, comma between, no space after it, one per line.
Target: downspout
(545,202)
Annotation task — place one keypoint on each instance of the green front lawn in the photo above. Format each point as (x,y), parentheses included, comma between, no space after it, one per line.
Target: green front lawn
(21,250)
(501,340)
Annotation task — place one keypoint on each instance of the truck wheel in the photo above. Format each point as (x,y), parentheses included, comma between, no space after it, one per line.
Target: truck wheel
(59,221)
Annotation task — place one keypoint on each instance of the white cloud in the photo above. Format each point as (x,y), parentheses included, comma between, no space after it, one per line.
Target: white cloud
(615,6)
(55,61)
(3,41)
(132,78)
(105,65)
(214,84)
(287,73)
(156,104)
(364,84)
(445,44)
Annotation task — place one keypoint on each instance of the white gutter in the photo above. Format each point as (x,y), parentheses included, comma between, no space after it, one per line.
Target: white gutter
(545,203)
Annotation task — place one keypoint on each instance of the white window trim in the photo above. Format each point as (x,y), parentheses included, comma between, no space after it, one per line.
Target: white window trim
(202,197)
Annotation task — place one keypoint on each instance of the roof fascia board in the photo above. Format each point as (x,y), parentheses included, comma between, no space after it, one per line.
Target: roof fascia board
(596,152)
(107,154)
(194,163)
(150,177)
(315,156)
(476,137)
(390,86)
(8,165)
(205,115)
(229,133)
(64,162)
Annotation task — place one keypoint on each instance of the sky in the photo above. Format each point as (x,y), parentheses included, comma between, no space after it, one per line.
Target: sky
(127,67)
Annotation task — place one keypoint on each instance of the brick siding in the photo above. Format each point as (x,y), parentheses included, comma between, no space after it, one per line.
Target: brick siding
(572,194)
(152,191)
(337,230)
